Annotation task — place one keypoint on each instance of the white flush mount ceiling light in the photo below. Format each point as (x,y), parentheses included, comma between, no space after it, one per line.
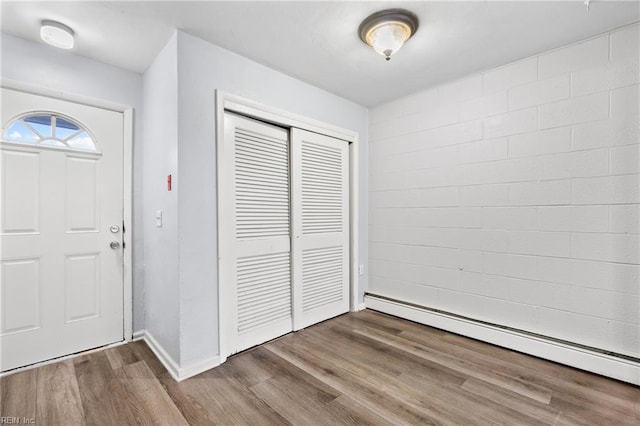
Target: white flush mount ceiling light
(386,31)
(56,34)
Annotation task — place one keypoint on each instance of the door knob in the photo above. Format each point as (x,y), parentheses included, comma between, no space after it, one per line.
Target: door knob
(114,245)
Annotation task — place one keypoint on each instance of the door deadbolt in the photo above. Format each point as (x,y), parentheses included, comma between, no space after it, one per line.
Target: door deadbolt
(114,229)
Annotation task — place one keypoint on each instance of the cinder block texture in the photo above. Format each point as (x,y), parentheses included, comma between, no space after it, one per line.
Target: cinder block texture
(513,196)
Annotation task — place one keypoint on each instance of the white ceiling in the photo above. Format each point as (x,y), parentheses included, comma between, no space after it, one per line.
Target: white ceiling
(317,41)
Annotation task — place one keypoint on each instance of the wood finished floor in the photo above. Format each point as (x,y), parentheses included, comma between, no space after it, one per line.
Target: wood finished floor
(360,368)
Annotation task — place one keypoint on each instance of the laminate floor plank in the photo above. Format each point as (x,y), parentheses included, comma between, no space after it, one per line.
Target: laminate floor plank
(522,387)
(565,420)
(331,362)
(383,395)
(192,405)
(373,353)
(149,402)
(17,394)
(567,377)
(385,323)
(340,353)
(102,398)
(355,413)
(226,401)
(363,368)
(574,405)
(386,406)
(523,373)
(428,388)
(247,370)
(58,398)
(421,356)
(122,355)
(477,407)
(533,409)
(380,322)
(284,372)
(144,353)
(533,376)
(374,357)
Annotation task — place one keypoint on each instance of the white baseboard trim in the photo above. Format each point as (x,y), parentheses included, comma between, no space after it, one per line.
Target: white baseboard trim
(606,365)
(358,307)
(177,372)
(137,335)
(169,363)
(199,367)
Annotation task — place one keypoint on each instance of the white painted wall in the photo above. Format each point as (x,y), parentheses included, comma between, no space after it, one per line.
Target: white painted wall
(181,262)
(512,196)
(203,68)
(162,296)
(42,66)
(179,307)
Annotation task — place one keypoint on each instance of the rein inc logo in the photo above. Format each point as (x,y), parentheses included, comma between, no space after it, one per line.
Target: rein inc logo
(17,420)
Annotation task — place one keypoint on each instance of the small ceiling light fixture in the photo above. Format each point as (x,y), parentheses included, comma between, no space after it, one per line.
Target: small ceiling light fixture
(56,34)
(386,31)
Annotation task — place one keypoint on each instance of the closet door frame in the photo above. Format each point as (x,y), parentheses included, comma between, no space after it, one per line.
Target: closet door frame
(225,195)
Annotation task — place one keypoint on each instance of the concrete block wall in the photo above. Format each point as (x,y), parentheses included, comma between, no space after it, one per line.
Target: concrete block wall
(513,196)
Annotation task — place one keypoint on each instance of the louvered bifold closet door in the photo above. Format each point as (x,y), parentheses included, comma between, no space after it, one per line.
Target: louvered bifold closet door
(320,199)
(262,245)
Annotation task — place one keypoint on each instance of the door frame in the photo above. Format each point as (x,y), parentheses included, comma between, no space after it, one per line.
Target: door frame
(256,110)
(127,182)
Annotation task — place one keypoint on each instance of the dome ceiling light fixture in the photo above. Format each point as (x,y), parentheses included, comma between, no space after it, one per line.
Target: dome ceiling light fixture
(386,31)
(56,34)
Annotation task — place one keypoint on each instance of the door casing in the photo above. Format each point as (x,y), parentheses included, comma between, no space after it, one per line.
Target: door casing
(127,190)
(239,105)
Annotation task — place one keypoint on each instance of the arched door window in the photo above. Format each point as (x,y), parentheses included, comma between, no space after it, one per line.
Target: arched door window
(50,130)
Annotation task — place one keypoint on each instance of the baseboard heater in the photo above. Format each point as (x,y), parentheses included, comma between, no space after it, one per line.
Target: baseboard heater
(611,364)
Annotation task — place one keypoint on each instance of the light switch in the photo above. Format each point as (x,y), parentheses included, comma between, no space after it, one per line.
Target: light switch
(361,269)
(159,218)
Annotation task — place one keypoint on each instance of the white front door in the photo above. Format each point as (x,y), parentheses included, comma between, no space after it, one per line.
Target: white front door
(61,182)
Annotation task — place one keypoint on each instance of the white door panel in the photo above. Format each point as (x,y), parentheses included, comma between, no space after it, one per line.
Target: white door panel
(82,209)
(320,187)
(21,192)
(62,284)
(21,284)
(260,256)
(287,196)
